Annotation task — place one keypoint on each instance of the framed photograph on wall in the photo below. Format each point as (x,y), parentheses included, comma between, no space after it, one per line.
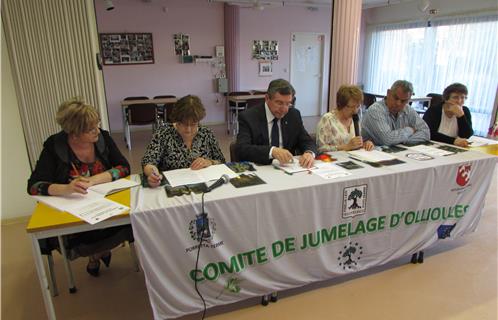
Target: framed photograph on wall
(265,68)
(126,48)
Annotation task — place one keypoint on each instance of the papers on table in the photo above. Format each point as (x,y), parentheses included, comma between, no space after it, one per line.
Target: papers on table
(92,207)
(431,151)
(114,186)
(480,141)
(330,171)
(291,167)
(182,177)
(371,156)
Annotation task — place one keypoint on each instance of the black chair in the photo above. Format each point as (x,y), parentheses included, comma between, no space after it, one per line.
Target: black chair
(436,100)
(164,110)
(139,114)
(368,99)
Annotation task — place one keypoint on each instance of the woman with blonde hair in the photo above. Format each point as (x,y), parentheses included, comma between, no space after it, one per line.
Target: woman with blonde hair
(79,156)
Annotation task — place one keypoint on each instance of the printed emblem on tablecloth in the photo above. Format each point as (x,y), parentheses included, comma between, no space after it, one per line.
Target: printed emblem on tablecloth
(349,256)
(354,201)
(192,229)
(232,285)
(444,230)
(463,174)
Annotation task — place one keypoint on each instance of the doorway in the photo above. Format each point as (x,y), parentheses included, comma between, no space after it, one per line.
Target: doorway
(306,71)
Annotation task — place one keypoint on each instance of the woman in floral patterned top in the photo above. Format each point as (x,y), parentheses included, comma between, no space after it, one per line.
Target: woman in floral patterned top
(73,160)
(183,143)
(335,131)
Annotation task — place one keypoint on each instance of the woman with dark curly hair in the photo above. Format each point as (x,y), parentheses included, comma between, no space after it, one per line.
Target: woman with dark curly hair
(450,122)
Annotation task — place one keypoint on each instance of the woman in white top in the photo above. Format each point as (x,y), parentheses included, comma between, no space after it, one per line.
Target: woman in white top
(335,131)
(450,122)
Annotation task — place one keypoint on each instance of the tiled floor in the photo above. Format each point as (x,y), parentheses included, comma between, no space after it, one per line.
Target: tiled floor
(457,281)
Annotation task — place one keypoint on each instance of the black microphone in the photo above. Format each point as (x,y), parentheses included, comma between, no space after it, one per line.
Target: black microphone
(222,180)
(356,125)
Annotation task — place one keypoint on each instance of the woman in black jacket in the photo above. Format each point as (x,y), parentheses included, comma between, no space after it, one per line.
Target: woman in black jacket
(450,122)
(79,156)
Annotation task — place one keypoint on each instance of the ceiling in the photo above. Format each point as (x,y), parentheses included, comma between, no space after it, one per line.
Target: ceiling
(318,3)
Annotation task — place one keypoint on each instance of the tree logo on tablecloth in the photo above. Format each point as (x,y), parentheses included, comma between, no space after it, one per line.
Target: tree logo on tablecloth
(192,229)
(354,201)
(463,175)
(349,256)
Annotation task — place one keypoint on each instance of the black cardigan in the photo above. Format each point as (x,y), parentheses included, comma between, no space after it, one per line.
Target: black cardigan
(433,118)
(54,163)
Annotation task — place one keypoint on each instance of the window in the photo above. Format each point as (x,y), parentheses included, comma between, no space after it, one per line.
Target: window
(461,49)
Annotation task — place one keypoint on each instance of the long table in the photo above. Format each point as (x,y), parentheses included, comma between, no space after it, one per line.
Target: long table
(297,229)
(124,108)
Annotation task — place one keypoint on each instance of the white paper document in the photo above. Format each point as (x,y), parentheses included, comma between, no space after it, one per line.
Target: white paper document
(114,186)
(331,171)
(181,177)
(480,141)
(371,156)
(291,167)
(92,207)
(432,151)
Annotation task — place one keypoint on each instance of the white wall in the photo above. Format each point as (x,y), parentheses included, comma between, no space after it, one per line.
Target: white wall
(15,169)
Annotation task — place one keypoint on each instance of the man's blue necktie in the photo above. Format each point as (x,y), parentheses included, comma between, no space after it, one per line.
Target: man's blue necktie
(274,134)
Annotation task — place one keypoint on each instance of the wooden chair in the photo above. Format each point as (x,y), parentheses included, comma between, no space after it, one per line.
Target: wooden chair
(254,102)
(164,110)
(139,114)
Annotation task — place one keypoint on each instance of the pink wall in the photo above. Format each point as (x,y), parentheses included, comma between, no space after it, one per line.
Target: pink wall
(278,24)
(201,20)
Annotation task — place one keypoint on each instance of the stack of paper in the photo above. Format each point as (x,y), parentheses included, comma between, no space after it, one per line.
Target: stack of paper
(92,207)
(431,151)
(371,156)
(182,177)
(291,167)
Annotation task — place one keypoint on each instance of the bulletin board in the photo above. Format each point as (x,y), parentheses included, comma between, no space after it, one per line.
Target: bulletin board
(126,48)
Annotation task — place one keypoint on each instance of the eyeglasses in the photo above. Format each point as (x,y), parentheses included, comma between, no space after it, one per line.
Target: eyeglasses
(283,104)
(458,97)
(94,130)
(188,125)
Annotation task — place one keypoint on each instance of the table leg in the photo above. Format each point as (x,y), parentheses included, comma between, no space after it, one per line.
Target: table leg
(53,284)
(133,253)
(42,276)
(69,273)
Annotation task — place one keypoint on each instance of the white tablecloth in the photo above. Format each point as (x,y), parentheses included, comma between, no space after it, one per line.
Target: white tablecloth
(298,229)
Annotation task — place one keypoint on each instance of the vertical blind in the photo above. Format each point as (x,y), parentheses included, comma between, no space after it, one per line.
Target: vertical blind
(52,46)
(452,49)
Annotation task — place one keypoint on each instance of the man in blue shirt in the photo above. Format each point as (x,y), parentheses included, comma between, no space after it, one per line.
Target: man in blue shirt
(392,121)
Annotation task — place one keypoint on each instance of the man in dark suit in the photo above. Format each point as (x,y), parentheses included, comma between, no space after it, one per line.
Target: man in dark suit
(274,130)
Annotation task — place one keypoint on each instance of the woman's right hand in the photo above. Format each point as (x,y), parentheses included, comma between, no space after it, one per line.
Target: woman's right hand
(78,185)
(461,142)
(153,176)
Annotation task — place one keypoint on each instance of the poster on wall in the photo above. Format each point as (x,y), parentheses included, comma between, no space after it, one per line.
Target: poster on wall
(182,44)
(126,48)
(265,49)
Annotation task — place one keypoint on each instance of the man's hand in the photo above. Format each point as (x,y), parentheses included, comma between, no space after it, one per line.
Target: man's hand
(461,142)
(368,145)
(306,160)
(282,155)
